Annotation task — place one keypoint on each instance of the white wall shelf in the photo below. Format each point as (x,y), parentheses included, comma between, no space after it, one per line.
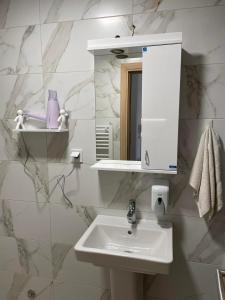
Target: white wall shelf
(46,130)
(126,166)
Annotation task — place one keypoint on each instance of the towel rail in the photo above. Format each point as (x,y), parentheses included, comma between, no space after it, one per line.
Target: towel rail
(221,285)
(104,142)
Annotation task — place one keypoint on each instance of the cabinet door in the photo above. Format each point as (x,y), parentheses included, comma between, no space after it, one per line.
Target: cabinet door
(160,106)
(159,144)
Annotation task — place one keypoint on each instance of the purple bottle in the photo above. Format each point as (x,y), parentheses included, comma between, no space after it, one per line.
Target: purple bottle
(52,110)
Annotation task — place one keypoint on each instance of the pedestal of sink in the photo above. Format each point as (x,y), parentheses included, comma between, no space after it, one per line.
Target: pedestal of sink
(126,285)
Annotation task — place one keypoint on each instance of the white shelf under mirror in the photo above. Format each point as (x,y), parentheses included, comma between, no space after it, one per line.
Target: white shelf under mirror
(126,166)
(46,130)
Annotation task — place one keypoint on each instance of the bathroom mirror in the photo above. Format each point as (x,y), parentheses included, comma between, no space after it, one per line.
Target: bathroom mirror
(118,88)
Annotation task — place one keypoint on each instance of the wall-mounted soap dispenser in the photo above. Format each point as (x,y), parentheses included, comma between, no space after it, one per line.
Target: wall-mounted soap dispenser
(160,198)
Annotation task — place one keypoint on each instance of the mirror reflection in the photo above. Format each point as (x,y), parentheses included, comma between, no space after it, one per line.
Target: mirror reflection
(118,87)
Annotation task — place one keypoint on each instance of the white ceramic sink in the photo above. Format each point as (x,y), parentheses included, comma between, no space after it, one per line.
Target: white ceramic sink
(112,242)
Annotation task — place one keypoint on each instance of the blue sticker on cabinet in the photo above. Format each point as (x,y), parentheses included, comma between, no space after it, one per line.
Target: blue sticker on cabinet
(172,167)
(145,49)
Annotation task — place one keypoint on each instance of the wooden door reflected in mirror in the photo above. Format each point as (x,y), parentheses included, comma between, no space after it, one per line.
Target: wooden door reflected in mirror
(130,111)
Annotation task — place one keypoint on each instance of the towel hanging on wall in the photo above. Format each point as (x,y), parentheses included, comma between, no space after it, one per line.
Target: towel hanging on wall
(205,176)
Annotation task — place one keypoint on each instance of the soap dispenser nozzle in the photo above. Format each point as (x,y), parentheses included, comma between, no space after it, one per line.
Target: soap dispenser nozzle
(160,199)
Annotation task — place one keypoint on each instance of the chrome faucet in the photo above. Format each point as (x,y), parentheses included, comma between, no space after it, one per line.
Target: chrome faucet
(131,215)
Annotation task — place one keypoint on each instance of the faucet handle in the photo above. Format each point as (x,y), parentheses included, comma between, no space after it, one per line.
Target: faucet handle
(131,215)
(132,203)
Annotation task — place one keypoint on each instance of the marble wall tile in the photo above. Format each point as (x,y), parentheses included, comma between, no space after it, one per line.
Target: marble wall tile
(31,257)
(65,264)
(186,281)
(65,287)
(21,92)
(19,13)
(201,90)
(6,221)
(16,50)
(210,248)
(9,260)
(142,6)
(69,56)
(18,146)
(105,8)
(204,245)
(16,285)
(184,229)
(58,11)
(204,46)
(32,145)
(107,86)
(4,7)
(75,92)
(55,39)
(182,201)
(81,136)
(25,256)
(67,224)
(107,189)
(59,254)
(134,186)
(23,220)
(24,181)
(84,186)
(90,212)
(75,185)
(143,203)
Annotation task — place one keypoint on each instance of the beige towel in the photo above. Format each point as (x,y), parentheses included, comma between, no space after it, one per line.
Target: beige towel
(205,176)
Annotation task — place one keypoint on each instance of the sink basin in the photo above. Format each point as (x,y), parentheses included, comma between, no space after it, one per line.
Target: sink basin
(112,242)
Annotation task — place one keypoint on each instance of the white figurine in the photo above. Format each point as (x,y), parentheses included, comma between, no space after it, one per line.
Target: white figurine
(62,119)
(20,119)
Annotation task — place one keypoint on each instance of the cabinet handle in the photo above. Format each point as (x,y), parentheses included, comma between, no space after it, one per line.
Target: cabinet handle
(147,161)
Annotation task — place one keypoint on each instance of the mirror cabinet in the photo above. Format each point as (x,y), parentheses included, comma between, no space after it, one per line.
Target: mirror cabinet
(137,88)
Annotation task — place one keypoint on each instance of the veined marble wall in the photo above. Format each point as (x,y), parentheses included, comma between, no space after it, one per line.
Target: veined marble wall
(42,46)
